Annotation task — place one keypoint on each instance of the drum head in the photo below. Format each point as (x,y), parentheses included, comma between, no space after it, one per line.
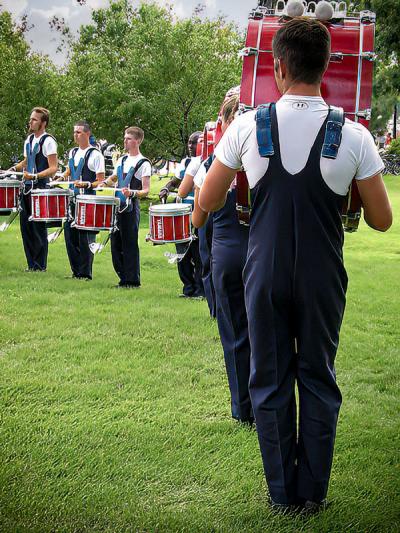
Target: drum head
(170,209)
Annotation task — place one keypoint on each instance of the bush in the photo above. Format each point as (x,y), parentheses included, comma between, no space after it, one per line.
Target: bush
(394,147)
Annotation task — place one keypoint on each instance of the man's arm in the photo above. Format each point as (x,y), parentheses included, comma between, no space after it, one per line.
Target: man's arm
(52,159)
(18,167)
(377,208)
(170,186)
(186,186)
(140,193)
(199,217)
(216,186)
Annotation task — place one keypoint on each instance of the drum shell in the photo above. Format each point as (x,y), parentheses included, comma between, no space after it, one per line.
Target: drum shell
(9,194)
(95,213)
(50,205)
(170,223)
(347,82)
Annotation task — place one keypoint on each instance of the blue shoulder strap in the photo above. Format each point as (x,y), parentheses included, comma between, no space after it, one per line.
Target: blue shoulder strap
(208,162)
(75,171)
(120,173)
(263,130)
(333,132)
(31,155)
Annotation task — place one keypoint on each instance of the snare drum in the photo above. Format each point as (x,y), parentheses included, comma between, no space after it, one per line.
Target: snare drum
(9,195)
(170,223)
(95,213)
(50,205)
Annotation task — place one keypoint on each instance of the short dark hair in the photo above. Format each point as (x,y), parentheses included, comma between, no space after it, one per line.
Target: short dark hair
(304,44)
(45,114)
(83,124)
(195,135)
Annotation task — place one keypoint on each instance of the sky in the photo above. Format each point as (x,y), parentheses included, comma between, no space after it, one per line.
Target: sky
(39,12)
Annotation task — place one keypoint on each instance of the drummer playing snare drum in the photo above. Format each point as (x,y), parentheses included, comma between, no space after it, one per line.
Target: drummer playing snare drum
(85,169)
(132,175)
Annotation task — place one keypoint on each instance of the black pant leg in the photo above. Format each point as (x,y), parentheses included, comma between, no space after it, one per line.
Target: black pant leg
(71,237)
(86,238)
(186,269)
(116,252)
(34,236)
(127,246)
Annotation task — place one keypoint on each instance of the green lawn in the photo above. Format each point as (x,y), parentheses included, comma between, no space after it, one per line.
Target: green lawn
(114,406)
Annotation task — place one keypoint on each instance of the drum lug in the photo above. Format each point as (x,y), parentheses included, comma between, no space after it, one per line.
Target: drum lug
(367,17)
(369,56)
(249,51)
(365,114)
(257,13)
(337,57)
(244,108)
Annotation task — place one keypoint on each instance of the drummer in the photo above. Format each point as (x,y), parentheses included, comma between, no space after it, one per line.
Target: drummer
(85,169)
(132,174)
(295,281)
(190,267)
(39,164)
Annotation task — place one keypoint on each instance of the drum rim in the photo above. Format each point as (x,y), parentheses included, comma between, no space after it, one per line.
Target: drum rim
(10,183)
(168,241)
(101,200)
(51,192)
(170,209)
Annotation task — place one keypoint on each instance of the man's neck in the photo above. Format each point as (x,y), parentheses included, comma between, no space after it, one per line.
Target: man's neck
(83,146)
(39,133)
(134,152)
(303,89)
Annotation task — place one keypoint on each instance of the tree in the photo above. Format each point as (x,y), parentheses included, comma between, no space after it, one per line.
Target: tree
(146,67)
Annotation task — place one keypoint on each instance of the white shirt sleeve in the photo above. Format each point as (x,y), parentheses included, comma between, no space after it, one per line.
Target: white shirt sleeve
(200,176)
(370,162)
(228,151)
(179,169)
(49,147)
(193,166)
(96,162)
(144,170)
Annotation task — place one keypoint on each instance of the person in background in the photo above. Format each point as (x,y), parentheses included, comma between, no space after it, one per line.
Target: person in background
(228,252)
(39,164)
(190,266)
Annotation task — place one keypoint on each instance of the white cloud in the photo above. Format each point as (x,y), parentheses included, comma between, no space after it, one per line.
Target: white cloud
(58,11)
(17,7)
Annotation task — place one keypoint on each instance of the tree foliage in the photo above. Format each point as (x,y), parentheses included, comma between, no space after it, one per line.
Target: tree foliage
(145,67)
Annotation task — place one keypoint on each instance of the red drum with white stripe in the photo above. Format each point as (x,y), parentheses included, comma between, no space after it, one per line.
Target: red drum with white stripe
(9,195)
(347,82)
(170,223)
(50,205)
(95,213)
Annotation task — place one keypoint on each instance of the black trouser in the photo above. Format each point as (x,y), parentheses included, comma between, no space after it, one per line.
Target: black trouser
(190,268)
(80,257)
(205,243)
(34,236)
(125,247)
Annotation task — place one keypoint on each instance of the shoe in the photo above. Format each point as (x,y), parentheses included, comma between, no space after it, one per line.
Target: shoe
(85,278)
(309,508)
(28,269)
(283,508)
(128,286)
(182,295)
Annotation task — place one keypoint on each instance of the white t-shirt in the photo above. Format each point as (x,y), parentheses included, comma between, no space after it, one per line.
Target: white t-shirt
(95,161)
(200,175)
(299,121)
(193,166)
(132,161)
(49,146)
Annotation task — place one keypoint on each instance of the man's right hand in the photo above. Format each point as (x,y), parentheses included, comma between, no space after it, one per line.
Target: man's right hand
(163,194)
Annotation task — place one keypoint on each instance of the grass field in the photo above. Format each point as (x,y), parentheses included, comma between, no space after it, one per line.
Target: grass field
(114,406)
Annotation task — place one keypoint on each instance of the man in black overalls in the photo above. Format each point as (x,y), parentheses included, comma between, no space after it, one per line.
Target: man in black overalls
(85,169)
(190,266)
(40,162)
(132,175)
(295,281)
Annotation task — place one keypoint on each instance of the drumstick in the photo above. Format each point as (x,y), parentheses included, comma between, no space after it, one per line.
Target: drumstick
(12,173)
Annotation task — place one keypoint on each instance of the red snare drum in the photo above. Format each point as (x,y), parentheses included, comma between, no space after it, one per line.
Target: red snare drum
(170,223)
(50,205)
(9,195)
(347,82)
(95,213)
